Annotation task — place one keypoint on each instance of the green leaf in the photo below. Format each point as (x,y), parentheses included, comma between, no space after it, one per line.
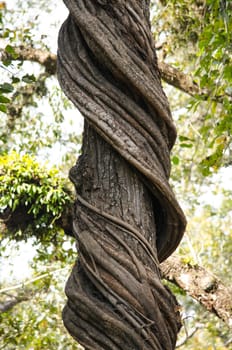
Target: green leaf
(6,88)
(175,160)
(205,171)
(11,51)
(184,138)
(4,99)
(228,72)
(186,145)
(3,108)
(15,80)
(7,62)
(29,78)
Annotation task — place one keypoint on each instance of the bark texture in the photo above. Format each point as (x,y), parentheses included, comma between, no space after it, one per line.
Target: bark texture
(127,219)
(169,74)
(202,286)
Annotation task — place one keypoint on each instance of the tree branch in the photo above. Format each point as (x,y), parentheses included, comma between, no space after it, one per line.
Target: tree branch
(193,279)
(180,80)
(188,336)
(32,280)
(20,219)
(9,304)
(169,74)
(21,291)
(22,53)
(200,284)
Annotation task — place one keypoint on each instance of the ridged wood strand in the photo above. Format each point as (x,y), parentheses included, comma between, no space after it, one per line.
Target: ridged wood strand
(127,219)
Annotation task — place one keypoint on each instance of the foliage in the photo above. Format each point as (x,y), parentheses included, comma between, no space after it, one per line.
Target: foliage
(195,37)
(36,117)
(43,193)
(37,124)
(40,327)
(204,28)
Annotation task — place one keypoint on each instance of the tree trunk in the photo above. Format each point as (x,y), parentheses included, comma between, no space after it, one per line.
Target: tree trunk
(126,217)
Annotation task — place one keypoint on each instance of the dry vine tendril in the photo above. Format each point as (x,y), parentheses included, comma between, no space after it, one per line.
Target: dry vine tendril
(127,219)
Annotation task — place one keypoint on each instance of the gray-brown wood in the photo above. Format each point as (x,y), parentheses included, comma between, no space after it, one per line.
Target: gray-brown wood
(168,73)
(201,285)
(127,219)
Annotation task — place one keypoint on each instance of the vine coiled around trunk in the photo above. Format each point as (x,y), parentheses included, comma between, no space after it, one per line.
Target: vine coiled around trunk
(127,219)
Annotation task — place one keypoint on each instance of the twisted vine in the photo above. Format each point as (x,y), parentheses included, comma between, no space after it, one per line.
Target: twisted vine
(127,219)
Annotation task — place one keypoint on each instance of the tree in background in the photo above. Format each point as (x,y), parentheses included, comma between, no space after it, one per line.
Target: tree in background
(201,159)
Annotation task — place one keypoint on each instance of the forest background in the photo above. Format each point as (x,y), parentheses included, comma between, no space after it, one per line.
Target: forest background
(40,139)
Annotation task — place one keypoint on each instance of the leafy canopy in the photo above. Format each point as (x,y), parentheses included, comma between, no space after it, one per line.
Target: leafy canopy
(42,192)
(195,36)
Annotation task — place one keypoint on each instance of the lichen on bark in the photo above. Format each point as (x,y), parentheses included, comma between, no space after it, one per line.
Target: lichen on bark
(127,219)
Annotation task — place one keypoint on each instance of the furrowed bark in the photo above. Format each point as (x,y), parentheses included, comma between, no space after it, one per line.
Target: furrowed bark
(126,216)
